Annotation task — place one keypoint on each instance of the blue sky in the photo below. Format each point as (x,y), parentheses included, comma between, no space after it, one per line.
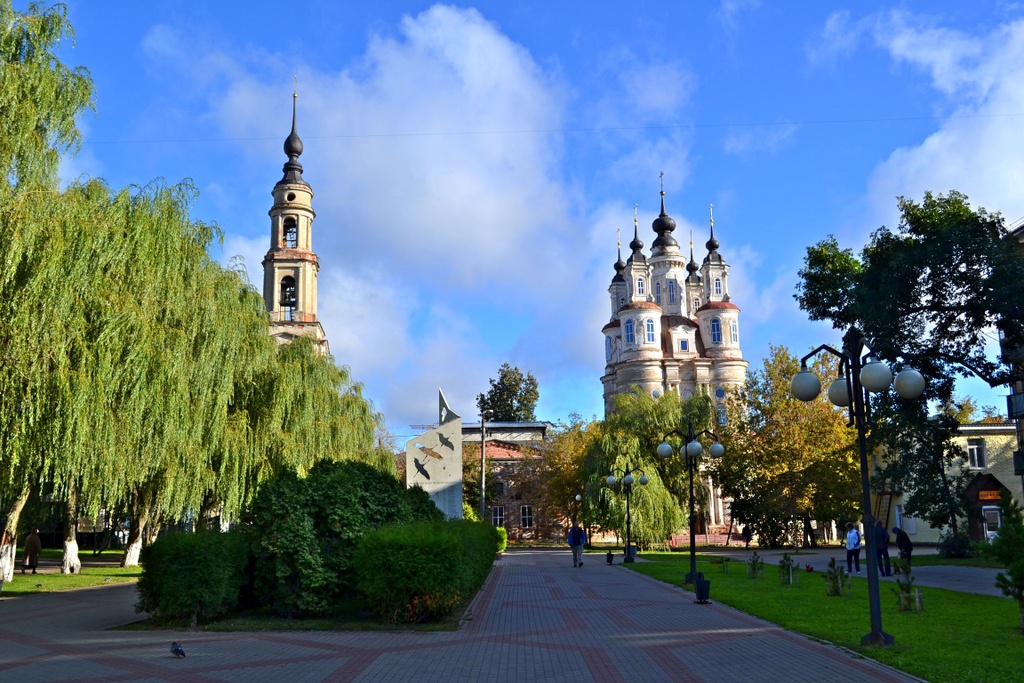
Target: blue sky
(471,163)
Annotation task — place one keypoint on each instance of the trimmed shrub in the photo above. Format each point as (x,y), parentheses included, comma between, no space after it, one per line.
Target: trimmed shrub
(304,533)
(470,513)
(502,538)
(954,545)
(189,578)
(421,572)
(421,506)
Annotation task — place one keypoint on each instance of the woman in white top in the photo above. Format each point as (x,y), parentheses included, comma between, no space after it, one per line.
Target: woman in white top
(852,548)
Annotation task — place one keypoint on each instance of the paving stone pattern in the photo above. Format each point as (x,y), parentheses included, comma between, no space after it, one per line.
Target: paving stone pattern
(537,619)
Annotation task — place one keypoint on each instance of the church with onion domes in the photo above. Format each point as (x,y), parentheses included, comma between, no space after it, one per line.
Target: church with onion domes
(673,326)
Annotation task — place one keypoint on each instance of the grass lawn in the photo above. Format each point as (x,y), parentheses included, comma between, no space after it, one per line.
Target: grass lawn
(959,638)
(25,584)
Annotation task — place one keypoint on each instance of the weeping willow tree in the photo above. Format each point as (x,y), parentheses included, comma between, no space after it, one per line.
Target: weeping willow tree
(629,438)
(40,98)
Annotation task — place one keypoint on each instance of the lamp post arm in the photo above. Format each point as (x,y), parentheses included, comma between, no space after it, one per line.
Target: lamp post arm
(815,352)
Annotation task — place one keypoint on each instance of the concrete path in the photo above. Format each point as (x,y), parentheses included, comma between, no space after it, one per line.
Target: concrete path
(537,619)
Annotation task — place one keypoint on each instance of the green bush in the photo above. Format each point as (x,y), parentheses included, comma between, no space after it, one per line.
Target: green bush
(470,513)
(421,572)
(305,530)
(502,538)
(189,578)
(421,506)
(954,545)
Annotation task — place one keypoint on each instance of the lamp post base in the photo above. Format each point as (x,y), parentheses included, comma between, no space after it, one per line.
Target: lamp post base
(690,577)
(628,559)
(877,639)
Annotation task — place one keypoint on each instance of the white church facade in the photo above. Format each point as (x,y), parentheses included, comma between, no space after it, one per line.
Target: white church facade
(673,326)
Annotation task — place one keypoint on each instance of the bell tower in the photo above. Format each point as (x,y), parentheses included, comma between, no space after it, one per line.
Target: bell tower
(290,267)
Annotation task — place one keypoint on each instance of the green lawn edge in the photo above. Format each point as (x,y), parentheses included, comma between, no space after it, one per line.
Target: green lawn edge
(959,638)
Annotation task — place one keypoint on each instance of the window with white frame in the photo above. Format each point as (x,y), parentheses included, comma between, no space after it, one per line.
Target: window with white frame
(498,515)
(696,304)
(671,291)
(684,344)
(630,336)
(718,286)
(716,331)
(649,326)
(734,330)
(976,459)
(526,517)
(657,292)
(640,285)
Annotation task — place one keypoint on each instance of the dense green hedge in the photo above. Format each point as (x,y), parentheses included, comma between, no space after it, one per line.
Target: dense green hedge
(193,577)
(421,572)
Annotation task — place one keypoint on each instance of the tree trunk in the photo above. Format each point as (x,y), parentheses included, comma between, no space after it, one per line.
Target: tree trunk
(809,530)
(10,533)
(140,512)
(70,564)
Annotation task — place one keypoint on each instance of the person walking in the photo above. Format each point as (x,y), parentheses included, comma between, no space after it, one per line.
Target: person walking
(577,537)
(903,543)
(852,548)
(882,548)
(33,546)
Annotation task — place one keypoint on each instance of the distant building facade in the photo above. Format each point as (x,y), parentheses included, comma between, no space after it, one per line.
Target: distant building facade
(673,325)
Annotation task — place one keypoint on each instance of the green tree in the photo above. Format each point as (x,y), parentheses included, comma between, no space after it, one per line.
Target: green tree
(934,289)
(787,460)
(1008,548)
(512,397)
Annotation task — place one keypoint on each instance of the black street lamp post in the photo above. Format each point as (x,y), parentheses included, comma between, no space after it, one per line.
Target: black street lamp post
(859,373)
(627,487)
(691,451)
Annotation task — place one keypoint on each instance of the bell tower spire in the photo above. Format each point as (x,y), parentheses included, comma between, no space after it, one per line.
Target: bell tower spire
(291,266)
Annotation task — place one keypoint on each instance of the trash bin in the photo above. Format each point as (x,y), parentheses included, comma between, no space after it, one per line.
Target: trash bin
(702,587)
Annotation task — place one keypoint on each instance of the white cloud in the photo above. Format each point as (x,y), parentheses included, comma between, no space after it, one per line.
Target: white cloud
(982,77)
(759,138)
(838,38)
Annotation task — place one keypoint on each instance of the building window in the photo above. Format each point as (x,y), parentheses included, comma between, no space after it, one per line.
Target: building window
(734,330)
(657,292)
(722,418)
(630,337)
(976,459)
(718,286)
(684,345)
(649,325)
(716,330)
(622,302)
(639,285)
(671,291)
(607,348)
(696,304)
(289,298)
(499,488)
(526,517)
(498,515)
(291,232)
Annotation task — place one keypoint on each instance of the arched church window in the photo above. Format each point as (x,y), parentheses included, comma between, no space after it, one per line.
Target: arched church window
(722,417)
(639,285)
(607,348)
(649,325)
(630,336)
(671,291)
(696,304)
(734,329)
(716,330)
(718,286)
(289,297)
(291,232)
(657,293)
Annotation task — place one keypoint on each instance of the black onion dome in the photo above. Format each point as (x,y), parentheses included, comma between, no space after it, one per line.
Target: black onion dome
(712,244)
(620,266)
(664,225)
(293,148)
(636,245)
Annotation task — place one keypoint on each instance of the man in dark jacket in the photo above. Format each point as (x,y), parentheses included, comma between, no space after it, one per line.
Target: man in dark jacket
(577,537)
(903,543)
(882,548)
(32,549)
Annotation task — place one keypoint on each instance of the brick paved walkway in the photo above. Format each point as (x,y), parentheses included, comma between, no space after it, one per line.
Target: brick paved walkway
(537,619)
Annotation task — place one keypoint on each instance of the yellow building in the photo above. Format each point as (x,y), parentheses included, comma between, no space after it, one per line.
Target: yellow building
(988,449)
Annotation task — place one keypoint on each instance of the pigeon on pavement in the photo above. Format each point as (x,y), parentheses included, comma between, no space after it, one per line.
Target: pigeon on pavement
(176,650)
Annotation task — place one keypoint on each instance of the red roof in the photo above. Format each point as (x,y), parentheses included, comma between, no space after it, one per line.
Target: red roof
(614,323)
(711,305)
(642,304)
